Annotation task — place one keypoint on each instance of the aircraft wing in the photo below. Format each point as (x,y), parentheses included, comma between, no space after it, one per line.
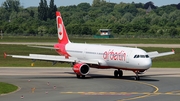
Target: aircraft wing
(155,54)
(44,47)
(54,58)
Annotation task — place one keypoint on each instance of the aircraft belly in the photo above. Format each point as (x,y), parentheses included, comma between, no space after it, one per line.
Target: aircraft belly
(123,65)
(116,64)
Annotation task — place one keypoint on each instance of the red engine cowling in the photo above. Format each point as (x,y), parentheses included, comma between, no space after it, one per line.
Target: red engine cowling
(81,69)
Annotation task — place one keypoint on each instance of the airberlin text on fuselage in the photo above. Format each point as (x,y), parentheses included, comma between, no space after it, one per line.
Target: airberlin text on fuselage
(113,55)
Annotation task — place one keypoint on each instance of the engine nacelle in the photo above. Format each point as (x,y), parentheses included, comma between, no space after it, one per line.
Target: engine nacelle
(81,69)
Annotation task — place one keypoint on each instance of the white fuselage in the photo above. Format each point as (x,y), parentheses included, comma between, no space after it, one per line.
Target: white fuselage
(111,56)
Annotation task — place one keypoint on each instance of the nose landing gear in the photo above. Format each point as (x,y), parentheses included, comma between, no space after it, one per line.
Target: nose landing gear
(137,74)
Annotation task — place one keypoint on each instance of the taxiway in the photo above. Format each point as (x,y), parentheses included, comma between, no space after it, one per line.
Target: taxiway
(61,84)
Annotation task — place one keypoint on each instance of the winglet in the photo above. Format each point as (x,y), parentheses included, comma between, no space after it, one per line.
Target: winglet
(5,55)
(173,50)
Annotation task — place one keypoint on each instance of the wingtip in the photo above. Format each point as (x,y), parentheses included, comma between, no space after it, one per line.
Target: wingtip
(173,50)
(5,55)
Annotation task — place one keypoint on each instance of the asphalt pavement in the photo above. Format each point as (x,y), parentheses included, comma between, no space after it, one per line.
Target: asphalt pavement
(61,84)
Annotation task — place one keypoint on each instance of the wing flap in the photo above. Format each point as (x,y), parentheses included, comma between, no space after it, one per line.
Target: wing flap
(44,47)
(45,58)
(54,58)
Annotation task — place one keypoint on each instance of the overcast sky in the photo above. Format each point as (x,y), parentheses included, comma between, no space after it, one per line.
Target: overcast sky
(28,3)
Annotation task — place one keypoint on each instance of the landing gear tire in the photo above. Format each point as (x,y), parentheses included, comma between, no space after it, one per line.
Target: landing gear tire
(115,73)
(137,76)
(78,76)
(118,73)
(83,76)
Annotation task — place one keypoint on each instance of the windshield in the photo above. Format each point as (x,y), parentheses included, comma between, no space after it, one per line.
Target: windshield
(141,56)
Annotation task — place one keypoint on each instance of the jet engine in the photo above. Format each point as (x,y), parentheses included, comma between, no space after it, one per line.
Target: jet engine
(81,69)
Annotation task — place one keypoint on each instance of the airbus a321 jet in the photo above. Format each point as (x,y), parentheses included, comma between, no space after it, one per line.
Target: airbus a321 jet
(86,56)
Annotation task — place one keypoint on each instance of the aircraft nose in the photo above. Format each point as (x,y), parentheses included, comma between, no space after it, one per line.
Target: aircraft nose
(146,63)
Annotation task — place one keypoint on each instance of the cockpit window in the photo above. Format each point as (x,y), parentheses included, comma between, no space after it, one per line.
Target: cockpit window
(141,56)
(147,56)
(136,56)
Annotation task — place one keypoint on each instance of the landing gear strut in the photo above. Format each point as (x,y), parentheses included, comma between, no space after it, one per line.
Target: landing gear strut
(118,73)
(137,76)
(79,76)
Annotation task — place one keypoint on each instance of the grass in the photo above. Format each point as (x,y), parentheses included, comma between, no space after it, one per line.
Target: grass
(91,40)
(24,50)
(164,64)
(167,61)
(28,39)
(128,41)
(7,88)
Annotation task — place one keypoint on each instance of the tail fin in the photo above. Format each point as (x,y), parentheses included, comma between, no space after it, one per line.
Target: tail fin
(62,34)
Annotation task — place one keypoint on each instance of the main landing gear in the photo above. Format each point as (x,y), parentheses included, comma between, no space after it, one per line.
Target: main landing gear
(79,76)
(118,73)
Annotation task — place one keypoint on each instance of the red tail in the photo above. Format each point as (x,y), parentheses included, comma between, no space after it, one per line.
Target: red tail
(62,34)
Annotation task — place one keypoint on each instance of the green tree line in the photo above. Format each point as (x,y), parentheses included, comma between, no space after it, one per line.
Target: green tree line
(135,19)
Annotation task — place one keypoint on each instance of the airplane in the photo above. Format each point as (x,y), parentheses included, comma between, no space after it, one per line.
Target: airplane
(84,56)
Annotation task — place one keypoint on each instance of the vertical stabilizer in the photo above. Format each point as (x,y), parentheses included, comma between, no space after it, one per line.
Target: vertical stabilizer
(62,34)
